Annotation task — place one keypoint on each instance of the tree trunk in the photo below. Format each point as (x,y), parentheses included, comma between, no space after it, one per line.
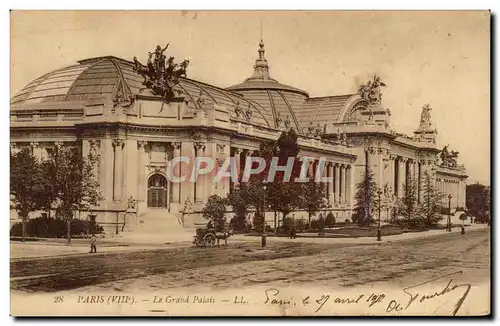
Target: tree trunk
(309,213)
(24,229)
(275,223)
(68,230)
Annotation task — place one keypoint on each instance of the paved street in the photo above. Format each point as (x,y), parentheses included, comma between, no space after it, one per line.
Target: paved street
(244,264)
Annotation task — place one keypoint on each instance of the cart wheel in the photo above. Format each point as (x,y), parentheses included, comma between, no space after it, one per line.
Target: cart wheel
(197,242)
(209,240)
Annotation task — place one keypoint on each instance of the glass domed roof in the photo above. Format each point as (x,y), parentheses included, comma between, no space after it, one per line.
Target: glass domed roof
(103,77)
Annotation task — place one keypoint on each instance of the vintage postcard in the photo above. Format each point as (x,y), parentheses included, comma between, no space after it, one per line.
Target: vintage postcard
(250,163)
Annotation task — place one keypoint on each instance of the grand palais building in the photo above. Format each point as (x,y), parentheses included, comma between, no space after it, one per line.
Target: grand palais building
(102,106)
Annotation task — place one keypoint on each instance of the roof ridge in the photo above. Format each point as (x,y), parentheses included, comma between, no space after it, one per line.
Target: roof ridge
(329,96)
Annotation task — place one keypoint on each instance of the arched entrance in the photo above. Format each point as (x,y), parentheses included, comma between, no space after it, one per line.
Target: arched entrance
(157,191)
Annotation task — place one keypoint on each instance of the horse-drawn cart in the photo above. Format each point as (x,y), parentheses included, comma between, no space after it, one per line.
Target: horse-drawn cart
(205,237)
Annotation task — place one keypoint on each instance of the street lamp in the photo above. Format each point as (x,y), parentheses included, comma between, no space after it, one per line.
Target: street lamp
(263,237)
(379,231)
(449,213)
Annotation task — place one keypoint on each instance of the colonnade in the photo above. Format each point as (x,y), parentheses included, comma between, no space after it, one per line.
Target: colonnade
(453,187)
(339,189)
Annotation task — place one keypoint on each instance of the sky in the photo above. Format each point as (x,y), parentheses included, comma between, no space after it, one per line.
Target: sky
(424,57)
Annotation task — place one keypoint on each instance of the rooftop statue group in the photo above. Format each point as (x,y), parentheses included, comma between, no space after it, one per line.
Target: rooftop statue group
(371,91)
(449,158)
(161,75)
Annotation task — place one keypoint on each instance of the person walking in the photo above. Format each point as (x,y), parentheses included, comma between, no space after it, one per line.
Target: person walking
(93,244)
(293,227)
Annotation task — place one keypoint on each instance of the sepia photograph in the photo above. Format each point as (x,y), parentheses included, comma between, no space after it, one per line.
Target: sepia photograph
(250,163)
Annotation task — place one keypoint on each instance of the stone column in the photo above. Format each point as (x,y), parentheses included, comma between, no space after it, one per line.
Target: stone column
(176,189)
(373,164)
(337,183)
(141,170)
(106,169)
(342,186)
(237,160)
(210,188)
(330,170)
(130,160)
(223,152)
(348,198)
(200,180)
(186,169)
(118,169)
(392,174)
(401,176)
(410,173)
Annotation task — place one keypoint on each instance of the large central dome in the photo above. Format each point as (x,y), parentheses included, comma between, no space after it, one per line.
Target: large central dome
(279,100)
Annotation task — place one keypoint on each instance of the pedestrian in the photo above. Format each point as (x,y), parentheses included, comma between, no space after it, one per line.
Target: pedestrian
(93,243)
(293,230)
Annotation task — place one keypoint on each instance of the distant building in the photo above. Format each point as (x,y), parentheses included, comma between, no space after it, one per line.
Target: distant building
(101,105)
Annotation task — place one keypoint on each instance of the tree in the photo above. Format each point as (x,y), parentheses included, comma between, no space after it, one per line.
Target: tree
(49,170)
(282,195)
(408,206)
(246,196)
(214,210)
(313,197)
(478,200)
(366,199)
(26,184)
(76,187)
(430,200)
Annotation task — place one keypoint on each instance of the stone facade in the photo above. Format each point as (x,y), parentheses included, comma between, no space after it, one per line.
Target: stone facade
(130,141)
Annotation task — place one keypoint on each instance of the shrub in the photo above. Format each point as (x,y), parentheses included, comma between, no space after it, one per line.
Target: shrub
(330,220)
(238,224)
(44,227)
(301,225)
(288,223)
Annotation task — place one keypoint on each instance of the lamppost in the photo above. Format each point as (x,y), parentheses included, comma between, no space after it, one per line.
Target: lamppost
(263,237)
(379,231)
(449,213)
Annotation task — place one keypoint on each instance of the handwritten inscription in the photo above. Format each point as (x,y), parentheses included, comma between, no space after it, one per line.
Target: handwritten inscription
(450,287)
(430,293)
(273,298)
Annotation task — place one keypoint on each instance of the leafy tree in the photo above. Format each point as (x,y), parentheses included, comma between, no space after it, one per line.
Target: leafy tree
(26,184)
(366,199)
(49,170)
(408,206)
(313,197)
(214,210)
(75,186)
(431,199)
(282,195)
(246,196)
(478,199)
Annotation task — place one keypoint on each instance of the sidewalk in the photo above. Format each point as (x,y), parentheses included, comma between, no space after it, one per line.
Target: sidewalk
(50,249)
(363,240)
(46,249)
